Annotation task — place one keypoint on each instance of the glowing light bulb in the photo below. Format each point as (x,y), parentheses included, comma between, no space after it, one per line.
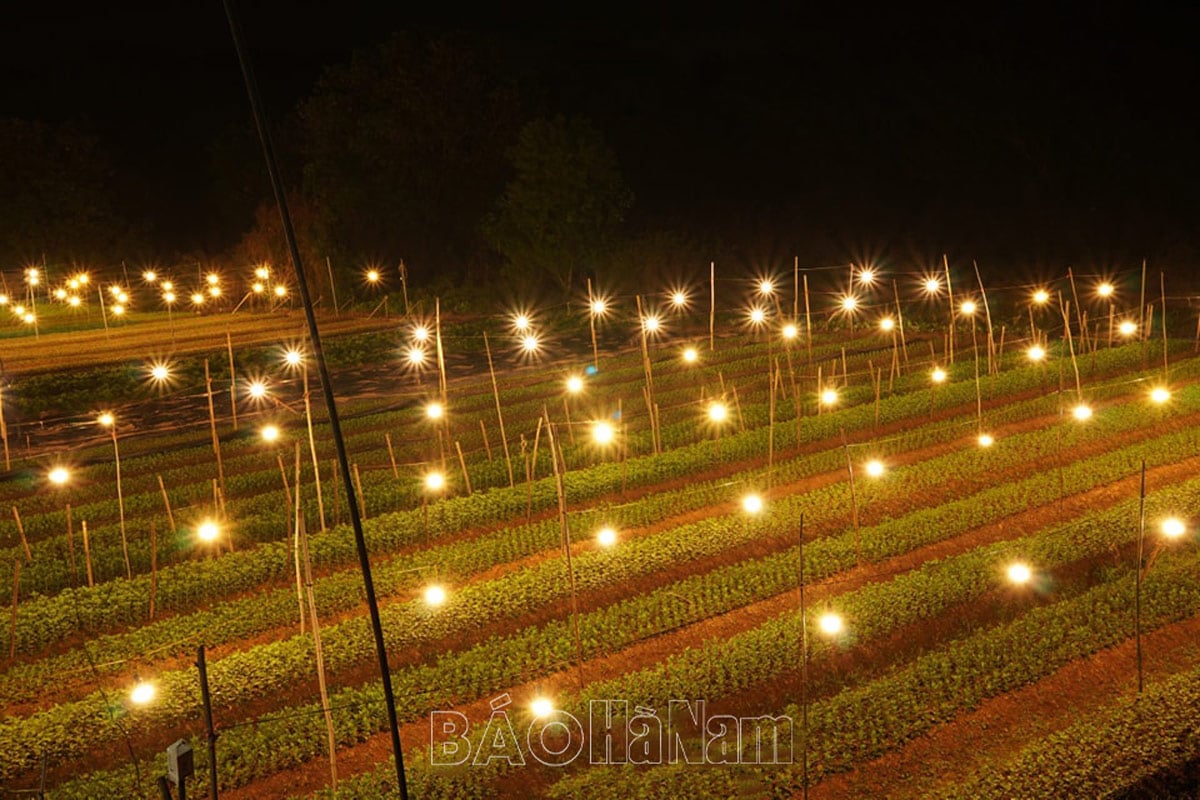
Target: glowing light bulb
(606,537)
(542,707)
(752,504)
(421,333)
(651,324)
(599,307)
(875,468)
(758,316)
(258,287)
(887,324)
(29,318)
(160,372)
(679,299)
(1160,394)
(530,343)
(60,294)
(968,307)
(1019,573)
(280,290)
(257,390)
(790,331)
(1127,328)
(603,433)
(986,440)
(59,476)
(933,285)
(574,384)
(1036,353)
(434,595)
(435,411)
(521,323)
(435,481)
(416,356)
(197,299)
(74,301)
(690,355)
(212,278)
(1173,528)
(270,433)
(214,291)
(938,375)
(849,303)
(262,273)
(866,277)
(168,286)
(765,286)
(107,419)
(1105,289)
(208,531)
(293,358)
(830,623)
(718,412)
(373,276)
(149,276)
(118,310)
(1041,297)
(1082,412)
(829,397)
(142,693)
(169,297)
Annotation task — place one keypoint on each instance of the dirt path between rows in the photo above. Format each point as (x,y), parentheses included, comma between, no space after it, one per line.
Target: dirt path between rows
(313,774)
(997,730)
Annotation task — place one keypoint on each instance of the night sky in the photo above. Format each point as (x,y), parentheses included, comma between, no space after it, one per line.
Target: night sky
(1033,134)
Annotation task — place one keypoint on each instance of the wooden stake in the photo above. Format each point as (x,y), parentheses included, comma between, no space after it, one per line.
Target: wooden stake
(318,652)
(87,554)
(808,335)
(771,428)
(900,321)
(486,444)
(337,312)
(21,533)
(567,417)
(853,500)
(592,325)
(1162,285)
(738,405)
(1075,299)
(294,528)
(71,547)
(712,305)
(499,413)
(950,295)
(232,382)
(166,504)
(796,287)
(565,534)
(212,422)
(362,500)
(991,342)
(462,462)
(312,448)
(392,456)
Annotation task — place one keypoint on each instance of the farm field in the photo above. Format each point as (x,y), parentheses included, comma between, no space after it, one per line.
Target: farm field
(786,562)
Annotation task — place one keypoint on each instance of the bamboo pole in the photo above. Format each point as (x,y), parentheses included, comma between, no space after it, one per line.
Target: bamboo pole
(312,448)
(853,500)
(294,529)
(391,455)
(121,504)
(712,305)
(796,287)
(87,554)
(950,327)
(808,336)
(1071,347)
(1075,299)
(592,326)
(462,462)
(21,533)
(1162,284)
(153,566)
(232,382)
(499,413)
(486,444)
(71,548)
(900,321)
(337,515)
(212,423)
(565,533)
(331,738)
(362,499)
(337,312)
(166,503)
(991,342)
(771,427)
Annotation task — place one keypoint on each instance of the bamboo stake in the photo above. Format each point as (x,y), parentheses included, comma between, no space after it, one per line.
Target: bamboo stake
(71,547)
(293,525)
(362,500)
(712,305)
(807,320)
(87,554)
(499,413)
(337,312)
(738,405)
(1071,347)
(565,533)
(232,382)
(121,505)
(441,360)
(1142,303)
(16,596)
(991,342)
(312,448)
(900,321)
(950,295)
(567,417)
(845,370)
(167,504)
(592,326)
(1162,285)
(796,287)
(212,422)
(649,379)
(462,462)
(1075,299)
(486,444)
(853,500)
(392,455)
(771,429)
(21,533)
(331,739)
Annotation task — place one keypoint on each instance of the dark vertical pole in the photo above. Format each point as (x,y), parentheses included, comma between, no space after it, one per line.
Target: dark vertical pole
(327,389)
(1137,597)
(211,734)
(164,788)
(803,667)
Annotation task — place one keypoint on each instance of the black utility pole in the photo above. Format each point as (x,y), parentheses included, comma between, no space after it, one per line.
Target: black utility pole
(206,701)
(335,427)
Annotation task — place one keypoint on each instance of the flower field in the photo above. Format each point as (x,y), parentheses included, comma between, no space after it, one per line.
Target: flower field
(876,548)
